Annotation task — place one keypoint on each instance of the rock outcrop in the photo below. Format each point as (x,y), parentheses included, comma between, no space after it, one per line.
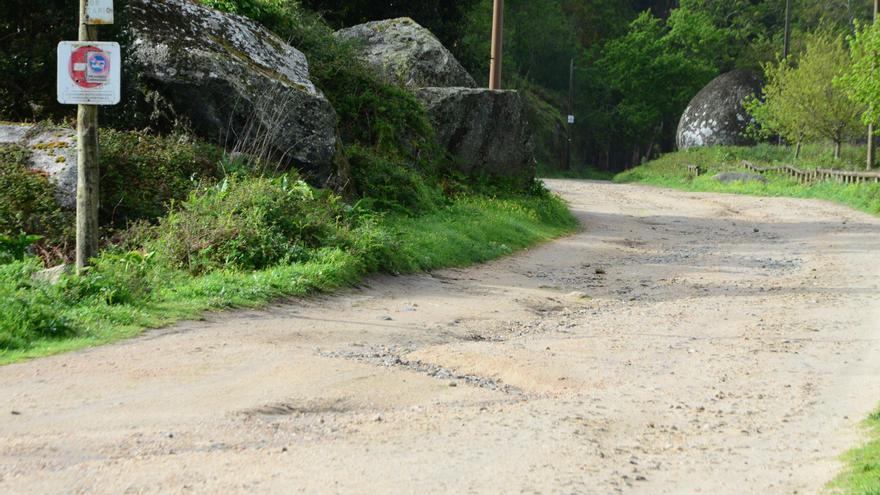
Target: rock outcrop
(716,115)
(235,81)
(53,152)
(732,177)
(484,131)
(404,53)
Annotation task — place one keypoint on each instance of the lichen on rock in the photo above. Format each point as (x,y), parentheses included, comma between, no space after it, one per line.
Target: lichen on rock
(53,153)
(485,131)
(406,54)
(236,82)
(716,116)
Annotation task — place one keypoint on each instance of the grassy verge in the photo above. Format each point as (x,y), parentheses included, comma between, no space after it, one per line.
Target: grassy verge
(671,171)
(131,292)
(862,476)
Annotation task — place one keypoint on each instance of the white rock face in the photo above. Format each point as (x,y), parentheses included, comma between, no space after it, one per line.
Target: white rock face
(233,79)
(406,54)
(53,152)
(716,115)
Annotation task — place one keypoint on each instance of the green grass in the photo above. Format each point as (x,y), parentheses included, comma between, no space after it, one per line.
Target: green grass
(862,476)
(471,229)
(671,171)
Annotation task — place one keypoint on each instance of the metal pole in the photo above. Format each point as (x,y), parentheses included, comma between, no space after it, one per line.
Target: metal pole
(871,145)
(87,166)
(497,45)
(570,112)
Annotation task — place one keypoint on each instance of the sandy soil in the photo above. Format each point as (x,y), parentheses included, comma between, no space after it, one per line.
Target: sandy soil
(681,343)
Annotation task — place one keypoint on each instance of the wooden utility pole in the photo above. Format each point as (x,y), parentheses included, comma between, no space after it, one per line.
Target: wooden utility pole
(786,44)
(786,48)
(497,45)
(871,146)
(87,166)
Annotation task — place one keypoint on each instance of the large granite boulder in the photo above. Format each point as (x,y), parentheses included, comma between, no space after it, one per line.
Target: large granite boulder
(484,131)
(53,153)
(716,115)
(236,82)
(404,53)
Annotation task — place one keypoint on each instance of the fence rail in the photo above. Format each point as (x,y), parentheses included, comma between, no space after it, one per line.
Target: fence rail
(818,175)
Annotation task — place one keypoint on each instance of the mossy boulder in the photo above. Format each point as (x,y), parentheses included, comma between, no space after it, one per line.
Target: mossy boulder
(235,82)
(52,153)
(716,116)
(406,54)
(485,131)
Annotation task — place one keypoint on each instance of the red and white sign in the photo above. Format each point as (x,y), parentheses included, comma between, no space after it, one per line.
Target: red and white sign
(89,73)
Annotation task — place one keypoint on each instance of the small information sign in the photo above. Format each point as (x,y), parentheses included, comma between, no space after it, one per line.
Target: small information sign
(571,119)
(89,73)
(99,12)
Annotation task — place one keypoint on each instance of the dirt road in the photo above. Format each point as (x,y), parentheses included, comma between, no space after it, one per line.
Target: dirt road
(681,343)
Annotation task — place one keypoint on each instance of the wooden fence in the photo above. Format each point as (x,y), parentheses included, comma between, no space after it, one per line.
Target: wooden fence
(807,176)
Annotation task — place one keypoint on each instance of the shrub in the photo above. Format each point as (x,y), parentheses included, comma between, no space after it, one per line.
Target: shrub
(28,205)
(28,309)
(141,174)
(250,224)
(116,278)
(391,186)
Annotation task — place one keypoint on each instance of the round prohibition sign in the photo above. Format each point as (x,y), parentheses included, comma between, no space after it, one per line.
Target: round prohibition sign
(89,67)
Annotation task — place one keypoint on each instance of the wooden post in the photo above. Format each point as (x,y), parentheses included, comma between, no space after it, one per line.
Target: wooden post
(871,145)
(87,166)
(497,45)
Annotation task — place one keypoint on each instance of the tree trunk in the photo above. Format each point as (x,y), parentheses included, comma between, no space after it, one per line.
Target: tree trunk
(837,145)
(797,149)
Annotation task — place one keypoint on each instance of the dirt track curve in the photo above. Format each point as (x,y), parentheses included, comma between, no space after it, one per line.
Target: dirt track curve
(680,343)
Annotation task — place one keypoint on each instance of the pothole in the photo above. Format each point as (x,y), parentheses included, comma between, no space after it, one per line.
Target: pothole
(393,357)
(294,408)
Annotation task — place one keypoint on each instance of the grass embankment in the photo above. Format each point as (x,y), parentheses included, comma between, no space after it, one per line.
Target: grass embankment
(671,171)
(863,474)
(130,291)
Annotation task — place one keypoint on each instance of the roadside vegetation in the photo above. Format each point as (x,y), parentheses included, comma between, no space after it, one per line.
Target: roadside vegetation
(234,239)
(862,476)
(671,170)
(189,227)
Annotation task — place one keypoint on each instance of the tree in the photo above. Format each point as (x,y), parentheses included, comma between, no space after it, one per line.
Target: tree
(803,101)
(652,72)
(862,80)
(781,111)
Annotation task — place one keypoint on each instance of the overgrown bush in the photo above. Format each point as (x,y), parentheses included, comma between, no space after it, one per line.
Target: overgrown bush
(141,174)
(116,277)
(28,204)
(28,309)
(391,186)
(250,224)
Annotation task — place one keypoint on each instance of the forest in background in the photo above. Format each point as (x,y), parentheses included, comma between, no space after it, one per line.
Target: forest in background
(637,62)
